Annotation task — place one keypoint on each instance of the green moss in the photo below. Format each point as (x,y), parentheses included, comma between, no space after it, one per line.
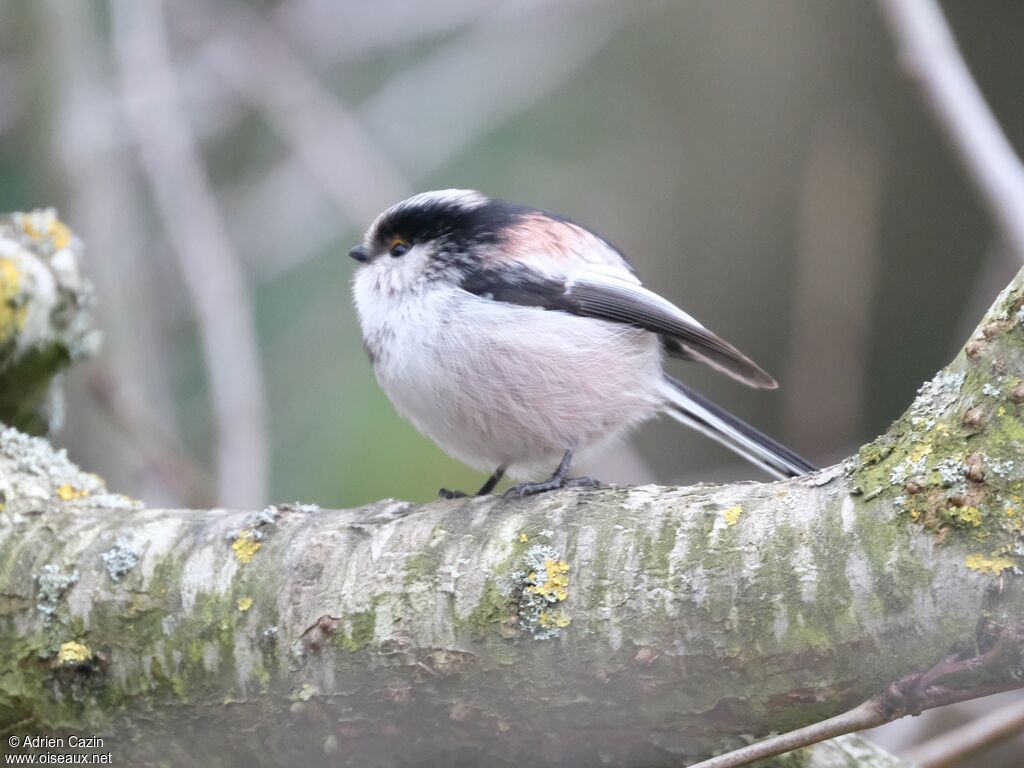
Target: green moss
(929,446)
(23,677)
(780,577)
(363,626)
(657,550)
(875,452)
(496,610)
(698,538)
(421,566)
(830,550)
(896,570)
(724,556)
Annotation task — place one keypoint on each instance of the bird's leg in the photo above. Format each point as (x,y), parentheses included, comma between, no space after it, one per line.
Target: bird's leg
(492,481)
(486,488)
(560,479)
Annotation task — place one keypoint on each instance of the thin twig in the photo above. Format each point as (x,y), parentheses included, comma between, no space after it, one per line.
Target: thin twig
(866,715)
(213,276)
(912,694)
(952,747)
(930,55)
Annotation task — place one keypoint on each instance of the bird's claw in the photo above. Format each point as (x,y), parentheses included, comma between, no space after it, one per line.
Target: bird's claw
(523,490)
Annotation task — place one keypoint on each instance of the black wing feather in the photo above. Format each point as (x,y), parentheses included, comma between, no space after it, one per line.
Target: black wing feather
(626,303)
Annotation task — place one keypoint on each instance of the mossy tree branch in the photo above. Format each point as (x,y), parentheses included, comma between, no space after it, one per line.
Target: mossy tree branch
(644,626)
(45,316)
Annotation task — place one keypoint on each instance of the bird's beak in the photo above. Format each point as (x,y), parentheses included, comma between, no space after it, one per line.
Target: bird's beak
(359,253)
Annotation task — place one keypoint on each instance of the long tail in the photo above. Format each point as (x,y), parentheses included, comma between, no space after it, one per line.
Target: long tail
(696,411)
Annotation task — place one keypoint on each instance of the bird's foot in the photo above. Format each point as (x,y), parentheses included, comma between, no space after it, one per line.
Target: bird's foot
(523,490)
(444,493)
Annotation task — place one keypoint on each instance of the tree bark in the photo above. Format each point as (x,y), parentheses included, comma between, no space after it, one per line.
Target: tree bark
(629,626)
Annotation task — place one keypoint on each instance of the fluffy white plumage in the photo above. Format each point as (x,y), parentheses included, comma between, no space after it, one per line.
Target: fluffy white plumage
(455,296)
(487,381)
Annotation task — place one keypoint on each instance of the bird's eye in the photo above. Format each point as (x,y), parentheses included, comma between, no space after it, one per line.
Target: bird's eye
(398,247)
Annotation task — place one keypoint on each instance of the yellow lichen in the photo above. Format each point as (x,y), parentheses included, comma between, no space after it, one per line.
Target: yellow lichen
(44,224)
(68,492)
(547,585)
(556,582)
(73,653)
(245,546)
(919,451)
(985,564)
(969,515)
(732,514)
(556,619)
(523,538)
(244,604)
(59,233)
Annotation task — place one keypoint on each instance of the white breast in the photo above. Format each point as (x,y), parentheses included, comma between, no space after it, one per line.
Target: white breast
(496,384)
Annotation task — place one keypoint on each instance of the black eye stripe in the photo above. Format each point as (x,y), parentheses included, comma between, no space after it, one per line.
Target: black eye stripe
(453,227)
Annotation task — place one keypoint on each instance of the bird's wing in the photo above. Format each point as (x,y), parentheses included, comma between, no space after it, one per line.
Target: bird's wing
(615,295)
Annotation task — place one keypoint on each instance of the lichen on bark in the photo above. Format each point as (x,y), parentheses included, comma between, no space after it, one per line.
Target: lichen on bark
(45,316)
(395,625)
(953,464)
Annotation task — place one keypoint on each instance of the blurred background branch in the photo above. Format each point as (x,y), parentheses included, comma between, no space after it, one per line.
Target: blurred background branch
(332,146)
(929,53)
(958,745)
(212,272)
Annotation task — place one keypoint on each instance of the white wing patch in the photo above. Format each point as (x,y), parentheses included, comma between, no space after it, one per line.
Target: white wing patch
(621,281)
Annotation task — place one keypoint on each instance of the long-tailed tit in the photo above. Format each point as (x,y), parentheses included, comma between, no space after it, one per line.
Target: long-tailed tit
(514,338)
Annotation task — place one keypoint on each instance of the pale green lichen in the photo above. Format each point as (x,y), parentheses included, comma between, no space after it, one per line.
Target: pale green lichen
(52,584)
(120,559)
(34,476)
(949,464)
(295,506)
